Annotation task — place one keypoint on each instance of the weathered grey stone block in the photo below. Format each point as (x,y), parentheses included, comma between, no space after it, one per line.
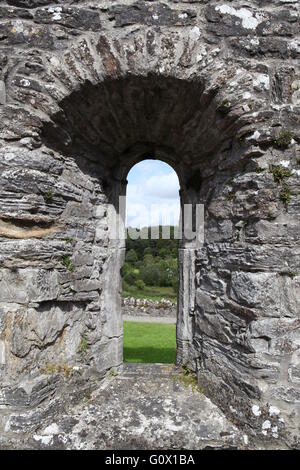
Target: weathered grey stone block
(31,392)
(2,92)
(28,285)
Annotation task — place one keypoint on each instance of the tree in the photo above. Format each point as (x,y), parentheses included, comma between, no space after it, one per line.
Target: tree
(140,284)
(147,251)
(131,277)
(163,252)
(126,269)
(148,259)
(175,285)
(151,274)
(151,262)
(131,256)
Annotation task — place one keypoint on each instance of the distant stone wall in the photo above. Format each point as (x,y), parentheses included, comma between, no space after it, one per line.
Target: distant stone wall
(145,307)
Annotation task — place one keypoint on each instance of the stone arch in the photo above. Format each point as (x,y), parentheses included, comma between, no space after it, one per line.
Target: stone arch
(135,119)
(228,86)
(172,119)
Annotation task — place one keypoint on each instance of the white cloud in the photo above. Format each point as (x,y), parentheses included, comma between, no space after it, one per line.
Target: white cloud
(165,186)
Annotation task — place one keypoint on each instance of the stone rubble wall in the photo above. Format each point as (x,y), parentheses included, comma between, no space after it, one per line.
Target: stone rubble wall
(152,308)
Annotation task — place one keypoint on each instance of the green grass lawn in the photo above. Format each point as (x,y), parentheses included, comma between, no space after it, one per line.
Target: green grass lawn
(149,342)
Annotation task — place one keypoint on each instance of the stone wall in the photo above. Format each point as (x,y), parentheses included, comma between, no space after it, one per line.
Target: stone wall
(152,308)
(212,88)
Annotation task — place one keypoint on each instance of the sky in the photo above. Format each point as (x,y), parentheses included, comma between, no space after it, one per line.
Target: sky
(152,195)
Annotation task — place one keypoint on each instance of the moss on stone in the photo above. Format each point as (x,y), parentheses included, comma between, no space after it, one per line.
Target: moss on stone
(271,216)
(53,368)
(83,346)
(230,195)
(280,173)
(283,139)
(285,194)
(48,196)
(66,261)
(259,170)
(188,378)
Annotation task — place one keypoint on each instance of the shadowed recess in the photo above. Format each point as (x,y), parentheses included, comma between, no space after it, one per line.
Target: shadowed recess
(104,121)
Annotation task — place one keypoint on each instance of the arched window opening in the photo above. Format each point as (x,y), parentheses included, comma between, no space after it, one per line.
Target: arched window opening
(150,270)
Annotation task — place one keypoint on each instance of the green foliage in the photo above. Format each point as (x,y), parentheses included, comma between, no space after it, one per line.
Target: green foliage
(83,346)
(147,251)
(126,269)
(48,196)
(230,195)
(148,259)
(66,261)
(139,283)
(53,368)
(131,277)
(125,288)
(159,272)
(112,373)
(163,253)
(69,240)
(292,274)
(285,194)
(188,378)
(271,216)
(280,173)
(259,170)
(131,256)
(153,246)
(283,139)
(88,396)
(150,263)
(175,284)
(151,274)
(224,107)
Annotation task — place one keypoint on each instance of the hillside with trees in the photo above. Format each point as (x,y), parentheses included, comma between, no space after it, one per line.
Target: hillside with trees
(151,269)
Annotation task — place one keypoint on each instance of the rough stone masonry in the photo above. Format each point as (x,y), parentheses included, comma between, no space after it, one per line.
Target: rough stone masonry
(88,89)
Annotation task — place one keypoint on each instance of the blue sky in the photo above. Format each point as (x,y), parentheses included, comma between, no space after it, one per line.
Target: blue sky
(152,195)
